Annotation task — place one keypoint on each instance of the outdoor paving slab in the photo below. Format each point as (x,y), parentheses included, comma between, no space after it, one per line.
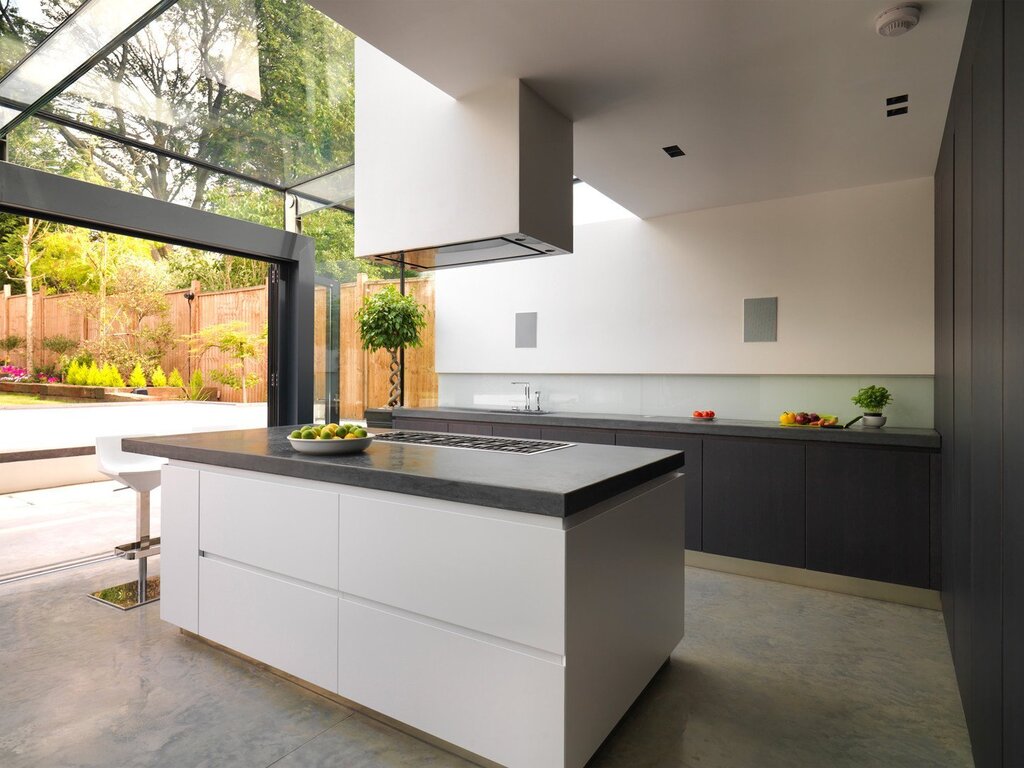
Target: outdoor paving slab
(53,525)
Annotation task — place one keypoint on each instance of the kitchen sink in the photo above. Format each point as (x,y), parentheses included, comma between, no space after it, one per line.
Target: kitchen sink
(513,411)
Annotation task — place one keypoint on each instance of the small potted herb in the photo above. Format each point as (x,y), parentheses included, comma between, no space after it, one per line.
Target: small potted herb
(872,400)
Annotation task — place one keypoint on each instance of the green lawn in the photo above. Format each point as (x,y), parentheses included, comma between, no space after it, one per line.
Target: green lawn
(17,398)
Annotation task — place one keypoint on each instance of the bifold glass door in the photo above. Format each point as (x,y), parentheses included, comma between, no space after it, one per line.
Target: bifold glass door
(326,354)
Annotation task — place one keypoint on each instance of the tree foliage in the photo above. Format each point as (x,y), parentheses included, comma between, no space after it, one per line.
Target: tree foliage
(239,344)
(389,320)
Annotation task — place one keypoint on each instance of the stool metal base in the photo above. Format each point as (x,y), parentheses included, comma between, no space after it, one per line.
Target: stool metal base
(124,597)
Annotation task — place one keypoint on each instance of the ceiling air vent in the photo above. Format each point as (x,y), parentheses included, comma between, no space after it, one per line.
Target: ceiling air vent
(673,151)
(898,20)
(893,105)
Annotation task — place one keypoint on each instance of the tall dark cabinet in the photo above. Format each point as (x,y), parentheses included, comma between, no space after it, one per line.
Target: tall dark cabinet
(979,367)
(1013,379)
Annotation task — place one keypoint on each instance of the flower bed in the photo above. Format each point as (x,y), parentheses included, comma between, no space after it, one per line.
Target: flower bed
(12,373)
(84,392)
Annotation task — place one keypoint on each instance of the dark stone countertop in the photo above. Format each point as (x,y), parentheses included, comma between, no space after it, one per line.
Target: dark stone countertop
(886,437)
(558,483)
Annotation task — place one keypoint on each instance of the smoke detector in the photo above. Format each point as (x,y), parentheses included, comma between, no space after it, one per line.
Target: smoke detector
(898,20)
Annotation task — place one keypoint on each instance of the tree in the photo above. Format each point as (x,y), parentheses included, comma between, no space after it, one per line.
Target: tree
(28,253)
(388,320)
(240,344)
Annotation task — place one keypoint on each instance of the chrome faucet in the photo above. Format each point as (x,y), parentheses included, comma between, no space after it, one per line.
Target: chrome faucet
(526,394)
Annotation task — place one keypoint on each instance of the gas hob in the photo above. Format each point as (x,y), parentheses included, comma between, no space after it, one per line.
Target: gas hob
(472,442)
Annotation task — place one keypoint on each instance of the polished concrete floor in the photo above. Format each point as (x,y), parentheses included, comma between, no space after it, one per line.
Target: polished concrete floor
(768,675)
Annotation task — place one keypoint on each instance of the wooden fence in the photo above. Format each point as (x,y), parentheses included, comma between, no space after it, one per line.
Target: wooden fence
(363,377)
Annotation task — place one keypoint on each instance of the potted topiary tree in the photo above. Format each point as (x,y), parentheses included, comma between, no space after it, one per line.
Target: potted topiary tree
(388,320)
(872,400)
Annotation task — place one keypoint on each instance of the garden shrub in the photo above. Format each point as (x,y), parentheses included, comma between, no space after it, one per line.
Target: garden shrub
(158,377)
(137,379)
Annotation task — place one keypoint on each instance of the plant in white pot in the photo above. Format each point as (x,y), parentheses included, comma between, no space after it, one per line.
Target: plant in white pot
(872,400)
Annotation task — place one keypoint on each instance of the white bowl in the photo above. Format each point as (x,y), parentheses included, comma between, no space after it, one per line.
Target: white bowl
(326,447)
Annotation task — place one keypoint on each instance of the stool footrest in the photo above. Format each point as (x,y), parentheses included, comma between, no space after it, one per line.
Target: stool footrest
(134,550)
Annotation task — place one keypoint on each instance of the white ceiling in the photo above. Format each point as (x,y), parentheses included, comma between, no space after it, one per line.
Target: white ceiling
(768,98)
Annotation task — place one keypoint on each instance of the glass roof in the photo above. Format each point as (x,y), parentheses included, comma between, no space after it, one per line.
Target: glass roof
(24,23)
(262,90)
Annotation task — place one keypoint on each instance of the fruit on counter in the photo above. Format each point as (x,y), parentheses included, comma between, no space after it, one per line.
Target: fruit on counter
(825,421)
(703,414)
(787,418)
(329,432)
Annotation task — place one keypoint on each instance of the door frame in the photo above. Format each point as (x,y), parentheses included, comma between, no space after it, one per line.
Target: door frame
(28,192)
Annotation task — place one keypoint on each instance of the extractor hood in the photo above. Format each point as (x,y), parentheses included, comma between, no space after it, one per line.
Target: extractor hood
(444,183)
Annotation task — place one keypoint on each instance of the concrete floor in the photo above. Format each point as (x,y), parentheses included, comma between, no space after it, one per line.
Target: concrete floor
(768,675)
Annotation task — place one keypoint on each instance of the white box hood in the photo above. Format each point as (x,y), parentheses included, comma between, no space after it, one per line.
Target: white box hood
(443,182)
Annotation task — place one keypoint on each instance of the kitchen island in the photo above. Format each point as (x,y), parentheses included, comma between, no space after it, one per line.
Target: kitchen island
(511,605)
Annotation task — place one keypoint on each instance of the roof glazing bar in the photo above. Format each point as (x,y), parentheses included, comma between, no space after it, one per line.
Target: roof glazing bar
(86,38)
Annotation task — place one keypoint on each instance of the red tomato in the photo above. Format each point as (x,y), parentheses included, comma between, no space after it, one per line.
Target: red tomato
(711,414)
(698,414)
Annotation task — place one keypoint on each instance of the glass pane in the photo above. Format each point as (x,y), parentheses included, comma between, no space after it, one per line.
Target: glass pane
(25,23)
(264,89)
(57,149)
(338,188)
(325,352)
(85,33)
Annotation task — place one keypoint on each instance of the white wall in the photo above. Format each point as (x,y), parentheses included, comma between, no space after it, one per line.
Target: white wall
(647,316)
(852,270)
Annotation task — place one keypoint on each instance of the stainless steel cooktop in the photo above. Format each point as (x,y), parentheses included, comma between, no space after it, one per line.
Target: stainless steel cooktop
(472,442)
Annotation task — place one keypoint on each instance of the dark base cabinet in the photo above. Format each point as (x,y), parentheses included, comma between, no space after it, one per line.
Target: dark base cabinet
(754,500)
(523,432)
(574,435)
(868,511)
(421,425)
(692,447)
(868,514)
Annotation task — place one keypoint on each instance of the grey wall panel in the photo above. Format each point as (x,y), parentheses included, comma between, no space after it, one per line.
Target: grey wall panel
(761,319)
(1013,390)
(986,390)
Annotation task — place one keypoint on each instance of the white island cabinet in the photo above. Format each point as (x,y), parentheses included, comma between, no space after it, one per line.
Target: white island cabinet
(519,637)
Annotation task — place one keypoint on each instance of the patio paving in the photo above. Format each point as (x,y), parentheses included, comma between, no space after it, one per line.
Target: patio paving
(68,426)
(54,525)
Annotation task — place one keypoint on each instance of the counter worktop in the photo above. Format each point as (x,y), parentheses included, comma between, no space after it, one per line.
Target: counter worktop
(887,436)
(557,483)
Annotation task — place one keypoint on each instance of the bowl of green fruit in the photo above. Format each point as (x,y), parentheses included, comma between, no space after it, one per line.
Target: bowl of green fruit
(330,439)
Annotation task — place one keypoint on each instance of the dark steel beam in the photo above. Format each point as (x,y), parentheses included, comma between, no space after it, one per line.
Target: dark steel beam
(28,192)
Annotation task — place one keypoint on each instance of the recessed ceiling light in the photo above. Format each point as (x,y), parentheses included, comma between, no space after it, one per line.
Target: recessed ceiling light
(673,151)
